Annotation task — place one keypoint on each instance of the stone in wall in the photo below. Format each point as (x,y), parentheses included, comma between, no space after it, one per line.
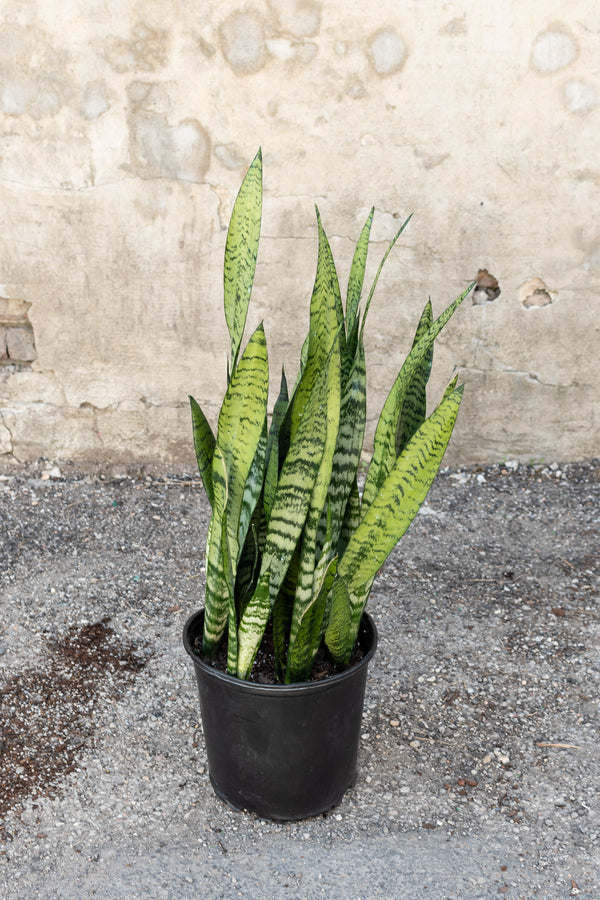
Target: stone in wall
(17,344)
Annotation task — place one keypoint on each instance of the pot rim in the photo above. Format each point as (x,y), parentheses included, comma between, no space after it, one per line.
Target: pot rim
(367,627)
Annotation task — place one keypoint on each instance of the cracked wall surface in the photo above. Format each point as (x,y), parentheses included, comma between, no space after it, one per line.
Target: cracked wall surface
(125,130)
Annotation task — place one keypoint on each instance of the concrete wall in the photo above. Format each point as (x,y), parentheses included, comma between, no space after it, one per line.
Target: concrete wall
(125,130)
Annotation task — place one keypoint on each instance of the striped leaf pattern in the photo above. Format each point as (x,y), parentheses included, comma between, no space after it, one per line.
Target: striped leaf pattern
(272,453)
(357,274)
(351,519)
(384,445)
(310,630)
(414,408)
(252,488)
(288,515)
(353,417)
(252,626)
(241,425)
(325,324)
(217,596)
(204,445)
(221,505)
(241,250)
(297,653)
(397,502)
(282,613)
(337,635)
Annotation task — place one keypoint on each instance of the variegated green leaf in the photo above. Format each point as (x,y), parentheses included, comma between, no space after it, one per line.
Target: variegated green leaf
(288,515)
(351,519)
(318,502)
(397,501)
(232,616)
(252,626)
(241,250)
(204,445)
(272,455)
(414,408)
(357,274)
(217,594)
(326,322)
(253,487)
(331,281)
(384,445)
(241,424)
(450,389)
(337,634)
(248,565)
(314,618)
(282,614)
(353,416)
(310,630)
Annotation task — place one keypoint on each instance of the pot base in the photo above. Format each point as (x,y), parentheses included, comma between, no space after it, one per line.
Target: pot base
(284,752)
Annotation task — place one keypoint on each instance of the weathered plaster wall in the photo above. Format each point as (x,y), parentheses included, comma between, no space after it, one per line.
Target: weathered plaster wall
(125,130)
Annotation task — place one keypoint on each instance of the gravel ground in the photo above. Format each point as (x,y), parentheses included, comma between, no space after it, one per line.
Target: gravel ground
(479,763)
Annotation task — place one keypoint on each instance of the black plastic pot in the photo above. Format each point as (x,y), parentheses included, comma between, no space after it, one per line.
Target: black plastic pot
(282,751)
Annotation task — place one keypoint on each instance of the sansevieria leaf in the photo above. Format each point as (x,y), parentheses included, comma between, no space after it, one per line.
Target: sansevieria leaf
(397,502)
(414,407)
(357,274)
(252,488)
(272,455)
(218,573)
(241,425)
(204,445)
(241,250)
(326,324)
(299,652)
(221,508)
(288,515)
(384,444)
(310,631)
(337,634)
(352,421)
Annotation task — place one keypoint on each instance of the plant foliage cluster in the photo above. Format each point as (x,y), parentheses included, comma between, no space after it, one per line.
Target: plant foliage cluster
(290,538)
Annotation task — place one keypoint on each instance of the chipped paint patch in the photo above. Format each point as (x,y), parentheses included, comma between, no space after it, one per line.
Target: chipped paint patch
(243,42)
(553,49)
(387,51)
(534,293)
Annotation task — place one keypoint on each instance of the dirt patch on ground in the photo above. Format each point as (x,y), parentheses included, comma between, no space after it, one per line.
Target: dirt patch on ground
(47,714)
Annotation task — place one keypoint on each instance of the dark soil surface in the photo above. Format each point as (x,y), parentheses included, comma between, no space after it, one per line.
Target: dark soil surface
(479,764)
(264,669)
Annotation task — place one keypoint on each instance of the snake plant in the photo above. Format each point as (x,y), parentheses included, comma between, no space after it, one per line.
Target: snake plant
(291,538)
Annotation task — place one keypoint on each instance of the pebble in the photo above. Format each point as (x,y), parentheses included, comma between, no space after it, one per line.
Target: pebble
(53,472)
